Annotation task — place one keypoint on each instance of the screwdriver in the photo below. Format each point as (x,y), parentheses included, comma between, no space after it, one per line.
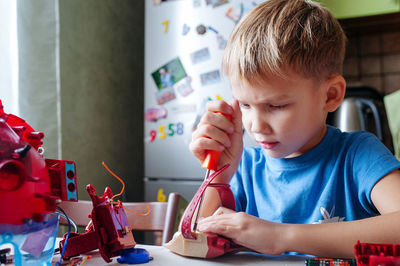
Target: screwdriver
(210,162)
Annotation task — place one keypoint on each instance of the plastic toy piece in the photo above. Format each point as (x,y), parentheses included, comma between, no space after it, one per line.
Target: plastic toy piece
(63,179)
(198,244)
(330,261)
(377,254)
(109,230)
(30,189)
(134,256)
(26,185)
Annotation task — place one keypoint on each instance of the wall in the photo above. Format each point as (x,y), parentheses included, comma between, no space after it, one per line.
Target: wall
(373,52)
(101,69)
(360,8)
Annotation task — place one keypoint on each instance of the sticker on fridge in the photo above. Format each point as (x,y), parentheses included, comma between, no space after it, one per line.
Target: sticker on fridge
(209,78)
(184,86)
(200,56)
(166,77)
(216,3)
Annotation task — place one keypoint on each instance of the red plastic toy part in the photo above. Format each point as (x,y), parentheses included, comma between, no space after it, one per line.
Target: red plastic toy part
(217,245)
(26,188)
(377,254)
(109,232)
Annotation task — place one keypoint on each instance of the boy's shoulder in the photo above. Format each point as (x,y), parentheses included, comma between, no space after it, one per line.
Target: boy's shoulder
(340,139)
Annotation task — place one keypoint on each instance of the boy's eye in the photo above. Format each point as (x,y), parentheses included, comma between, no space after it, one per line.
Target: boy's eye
(244,105)
(277,107)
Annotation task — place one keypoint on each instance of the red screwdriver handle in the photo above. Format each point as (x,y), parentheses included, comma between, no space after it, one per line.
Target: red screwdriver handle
(211,160)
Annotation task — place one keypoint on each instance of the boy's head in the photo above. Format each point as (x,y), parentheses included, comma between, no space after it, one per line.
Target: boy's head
(278,35)
(284,61)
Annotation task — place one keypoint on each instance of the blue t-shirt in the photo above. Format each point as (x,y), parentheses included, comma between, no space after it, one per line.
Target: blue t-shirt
(330,183)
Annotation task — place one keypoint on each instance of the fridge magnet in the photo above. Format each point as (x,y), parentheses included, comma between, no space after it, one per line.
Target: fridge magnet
(196,3)
(219,97)
(155,113)
(161,196)
(165,23)
(235,13)
(216,3)
(200,56)
(166,77)
(221,42)
(151,137)
(165,95)
(158,2)
(212,29)
(185,29)
(184,87)
(169,74)
(184,108)
(201,29)
(165,131)
(209,78)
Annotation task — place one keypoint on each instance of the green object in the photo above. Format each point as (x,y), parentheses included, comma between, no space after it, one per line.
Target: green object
(360,8)
(393,113)
(330,261)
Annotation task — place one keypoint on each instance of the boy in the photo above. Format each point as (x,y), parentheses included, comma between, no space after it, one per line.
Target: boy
(308,188)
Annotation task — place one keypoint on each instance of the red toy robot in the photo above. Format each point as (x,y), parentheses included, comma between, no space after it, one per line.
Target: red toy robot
(109,230)
(30,185)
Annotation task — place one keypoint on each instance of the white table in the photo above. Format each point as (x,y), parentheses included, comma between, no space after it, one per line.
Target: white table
(163,257)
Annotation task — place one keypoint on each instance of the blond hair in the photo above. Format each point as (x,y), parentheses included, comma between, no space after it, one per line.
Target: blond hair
(278,34)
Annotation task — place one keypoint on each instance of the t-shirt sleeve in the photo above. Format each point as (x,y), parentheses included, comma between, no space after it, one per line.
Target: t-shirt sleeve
(371,161)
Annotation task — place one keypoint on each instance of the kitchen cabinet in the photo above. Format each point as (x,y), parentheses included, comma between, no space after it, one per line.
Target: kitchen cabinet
(360,8)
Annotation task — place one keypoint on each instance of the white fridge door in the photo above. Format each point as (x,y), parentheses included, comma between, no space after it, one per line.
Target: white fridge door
(184,42)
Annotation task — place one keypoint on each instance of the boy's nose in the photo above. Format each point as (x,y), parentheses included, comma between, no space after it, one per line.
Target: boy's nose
(260,125)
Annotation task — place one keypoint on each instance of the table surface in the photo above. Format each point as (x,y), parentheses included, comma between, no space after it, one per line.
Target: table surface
(163,256)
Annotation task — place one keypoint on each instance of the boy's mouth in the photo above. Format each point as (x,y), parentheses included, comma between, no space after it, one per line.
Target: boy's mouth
(268,145)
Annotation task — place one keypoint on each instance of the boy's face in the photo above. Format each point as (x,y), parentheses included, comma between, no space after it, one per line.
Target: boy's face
(285,116)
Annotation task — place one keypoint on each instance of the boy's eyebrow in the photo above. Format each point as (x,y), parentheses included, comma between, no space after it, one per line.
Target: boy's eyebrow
(276,98)
(270,99)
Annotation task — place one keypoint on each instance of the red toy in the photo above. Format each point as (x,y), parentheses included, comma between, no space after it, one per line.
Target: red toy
(196,244)
(109,230)
(377,254)
(30,186)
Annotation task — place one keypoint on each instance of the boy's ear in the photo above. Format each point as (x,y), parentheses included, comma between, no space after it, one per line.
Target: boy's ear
(335,90)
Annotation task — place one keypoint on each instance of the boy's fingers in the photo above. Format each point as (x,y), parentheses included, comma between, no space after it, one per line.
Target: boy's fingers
(217,120)
(223,210)
(219,106)
(207,135)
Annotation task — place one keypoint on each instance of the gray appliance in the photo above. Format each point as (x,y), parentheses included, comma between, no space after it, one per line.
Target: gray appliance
(184,44)
(363,109)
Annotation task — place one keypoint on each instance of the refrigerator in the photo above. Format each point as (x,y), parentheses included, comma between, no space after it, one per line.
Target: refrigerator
(184,44)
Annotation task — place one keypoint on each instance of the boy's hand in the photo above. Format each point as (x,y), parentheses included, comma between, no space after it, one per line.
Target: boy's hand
(216,132)
(246,230)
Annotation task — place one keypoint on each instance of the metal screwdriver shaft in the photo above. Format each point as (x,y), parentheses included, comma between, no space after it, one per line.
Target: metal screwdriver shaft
(210,163)
(200,202)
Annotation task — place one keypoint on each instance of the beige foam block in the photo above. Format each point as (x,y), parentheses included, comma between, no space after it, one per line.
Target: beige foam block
(189,247)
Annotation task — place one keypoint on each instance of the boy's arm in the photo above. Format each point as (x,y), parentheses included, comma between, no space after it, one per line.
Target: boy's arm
(326,240)
(212,133)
